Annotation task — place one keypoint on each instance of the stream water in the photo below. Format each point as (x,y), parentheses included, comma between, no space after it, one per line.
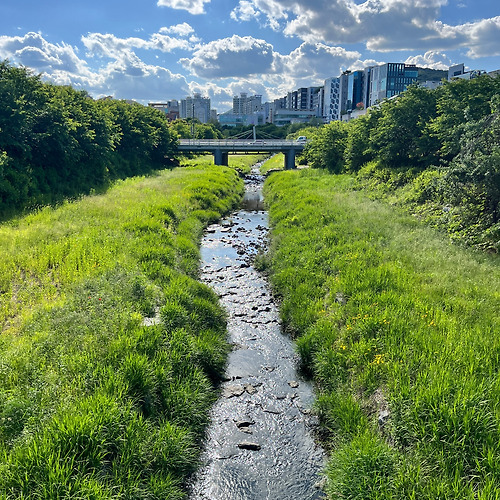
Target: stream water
(259,445)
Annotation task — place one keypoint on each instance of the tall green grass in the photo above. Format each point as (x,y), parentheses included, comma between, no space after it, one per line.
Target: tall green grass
(276,162)
(401,331)
(94,403)
(241,163)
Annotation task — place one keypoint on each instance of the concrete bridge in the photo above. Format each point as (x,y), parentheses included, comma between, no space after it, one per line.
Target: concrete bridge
(221,148)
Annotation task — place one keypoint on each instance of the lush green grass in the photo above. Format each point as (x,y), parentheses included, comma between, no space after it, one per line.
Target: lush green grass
(276,162)
(93,402)
(241,163)
(390,316)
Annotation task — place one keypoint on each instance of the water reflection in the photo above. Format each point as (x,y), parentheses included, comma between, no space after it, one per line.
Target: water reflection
(259,445)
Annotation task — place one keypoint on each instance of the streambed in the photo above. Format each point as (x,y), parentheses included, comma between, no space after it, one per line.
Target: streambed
(260,444)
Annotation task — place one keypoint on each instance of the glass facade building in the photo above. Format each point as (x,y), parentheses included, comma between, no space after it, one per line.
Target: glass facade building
(389,80)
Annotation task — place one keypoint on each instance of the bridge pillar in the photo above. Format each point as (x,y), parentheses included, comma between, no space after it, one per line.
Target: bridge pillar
(220,157)
(289,159)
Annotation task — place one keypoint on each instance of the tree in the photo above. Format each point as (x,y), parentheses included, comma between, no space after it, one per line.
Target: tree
(207,131)
(458,102)
(474,174)
(357,151)
(326,150)
(402,136)
(181,129)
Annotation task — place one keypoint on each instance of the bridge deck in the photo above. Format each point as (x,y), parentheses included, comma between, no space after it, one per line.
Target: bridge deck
(221,148)
(239,145)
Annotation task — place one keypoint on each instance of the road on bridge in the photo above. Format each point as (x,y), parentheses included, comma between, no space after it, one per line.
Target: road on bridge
(221,148)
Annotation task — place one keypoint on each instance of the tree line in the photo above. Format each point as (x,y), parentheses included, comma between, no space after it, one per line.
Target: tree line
(57,142)
(441,145)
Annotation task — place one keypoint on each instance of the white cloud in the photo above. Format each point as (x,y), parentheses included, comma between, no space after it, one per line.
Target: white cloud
(130,77)
(244,12)
(231,57)
(383,25)
(313,62)
(431,59)
(107,45)
(34,51)
(484,37)
(246,64)
(183,29)
(192,6)
(125,76)
(248,57)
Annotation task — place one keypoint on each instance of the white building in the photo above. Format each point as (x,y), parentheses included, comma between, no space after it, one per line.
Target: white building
(196,107)
(331,101)
(458,71)
(246,105)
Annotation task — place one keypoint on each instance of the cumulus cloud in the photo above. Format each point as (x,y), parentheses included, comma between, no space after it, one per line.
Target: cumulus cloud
(192,6)
(107,45)
(125,76)
(231,57)
(484,36)
(183,29)
(246,64)
(431,59)
(132,77)
(384,25)
(314,62)
(245,11)
(251,58)
(34,51)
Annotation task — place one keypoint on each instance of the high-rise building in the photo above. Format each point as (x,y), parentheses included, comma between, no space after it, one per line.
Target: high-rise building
(247,105)
(354,90)
(317,98)
(367,75)
(343,92)
(331,102)
(458,71)
(390,79)
(196,107)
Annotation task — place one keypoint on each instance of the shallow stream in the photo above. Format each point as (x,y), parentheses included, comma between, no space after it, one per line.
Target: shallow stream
(260,443)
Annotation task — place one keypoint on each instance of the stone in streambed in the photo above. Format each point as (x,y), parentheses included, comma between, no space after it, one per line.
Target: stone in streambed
(244,425)
(248,445)
(250,388)
(233,390)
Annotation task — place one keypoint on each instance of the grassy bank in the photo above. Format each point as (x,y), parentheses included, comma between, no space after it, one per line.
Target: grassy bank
(401,331)
(241,163)
(110,347)
(276,162)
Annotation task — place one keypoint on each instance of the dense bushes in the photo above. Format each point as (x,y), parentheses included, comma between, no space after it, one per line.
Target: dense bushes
(57,142)
(452,130)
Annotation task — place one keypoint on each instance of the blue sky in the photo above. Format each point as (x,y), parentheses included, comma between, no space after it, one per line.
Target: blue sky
(156,50)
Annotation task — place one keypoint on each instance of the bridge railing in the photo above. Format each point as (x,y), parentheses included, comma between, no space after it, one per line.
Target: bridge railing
(238,143)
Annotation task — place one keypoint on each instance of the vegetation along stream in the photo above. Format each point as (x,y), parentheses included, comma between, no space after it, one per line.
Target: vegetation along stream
(260,443)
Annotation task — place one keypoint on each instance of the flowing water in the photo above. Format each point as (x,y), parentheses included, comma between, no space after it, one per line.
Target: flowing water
(260,444)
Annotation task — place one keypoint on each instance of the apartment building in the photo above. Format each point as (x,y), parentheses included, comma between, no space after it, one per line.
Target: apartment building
(246,105)
(331,100)
(196,107)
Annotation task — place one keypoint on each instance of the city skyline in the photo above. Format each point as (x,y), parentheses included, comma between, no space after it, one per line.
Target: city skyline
(169,49)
